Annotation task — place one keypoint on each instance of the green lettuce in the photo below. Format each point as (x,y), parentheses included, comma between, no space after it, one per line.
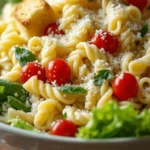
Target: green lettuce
(18,123)
(111,121)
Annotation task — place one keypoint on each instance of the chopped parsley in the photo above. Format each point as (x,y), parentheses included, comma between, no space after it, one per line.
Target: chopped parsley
(144,30)
(102,76)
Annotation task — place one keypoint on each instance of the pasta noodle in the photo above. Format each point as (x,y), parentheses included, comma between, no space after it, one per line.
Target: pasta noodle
(12,114)
(79,117)
(37,87)
(137,67)
(106,94)
(144,96)
(13,75)
(71,13)
(45,114)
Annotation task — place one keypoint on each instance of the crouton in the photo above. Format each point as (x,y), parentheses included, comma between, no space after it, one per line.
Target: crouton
(35,15)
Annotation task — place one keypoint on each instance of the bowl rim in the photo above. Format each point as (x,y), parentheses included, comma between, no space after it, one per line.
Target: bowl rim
(46,137)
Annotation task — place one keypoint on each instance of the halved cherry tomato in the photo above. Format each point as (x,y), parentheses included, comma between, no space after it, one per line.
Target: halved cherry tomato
(141,4)
(58,71)
(53,29)
(64,128)
(32,69)
(125,86)
(105,40)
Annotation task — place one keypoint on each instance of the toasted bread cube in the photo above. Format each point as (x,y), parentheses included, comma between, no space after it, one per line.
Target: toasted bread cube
(35,15)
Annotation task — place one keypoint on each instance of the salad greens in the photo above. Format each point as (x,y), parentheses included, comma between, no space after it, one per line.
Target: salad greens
(24,56)
(18,123)
(14,94)
(17,104)
(13,89)
(111,121)
(2,89)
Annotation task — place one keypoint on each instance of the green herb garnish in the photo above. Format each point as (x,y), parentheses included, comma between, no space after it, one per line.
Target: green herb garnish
(24,56)
(72,90)
(65,115)
(102,76)
(144,30)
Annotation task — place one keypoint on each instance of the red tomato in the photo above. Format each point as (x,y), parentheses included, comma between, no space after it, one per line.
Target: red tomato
(32,69)
(58,71)
(64,128)
(141,4)
(53,29)
(105,40)
(125,86)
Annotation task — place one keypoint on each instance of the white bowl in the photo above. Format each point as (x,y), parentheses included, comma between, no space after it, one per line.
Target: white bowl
(25,140)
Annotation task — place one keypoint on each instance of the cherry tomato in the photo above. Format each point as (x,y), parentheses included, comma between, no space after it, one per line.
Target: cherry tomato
(58,71)
(141,4)
(53,29)
(32,69)
(105,40)
(125,86)
(64,128)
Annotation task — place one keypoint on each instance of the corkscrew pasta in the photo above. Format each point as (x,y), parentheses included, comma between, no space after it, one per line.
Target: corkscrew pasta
(93,45)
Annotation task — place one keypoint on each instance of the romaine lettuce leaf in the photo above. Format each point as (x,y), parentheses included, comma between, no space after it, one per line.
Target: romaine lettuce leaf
(18,123)
(111,121)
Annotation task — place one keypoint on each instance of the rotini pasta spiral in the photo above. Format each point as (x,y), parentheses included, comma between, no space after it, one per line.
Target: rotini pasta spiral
(125,39)
(35,45)
(139,66)
(45,114)
(105,4)
(5,63)
(48,53)
(75,59)
(106,94)
(92,96)
(135,104)
(13,75)
(134,13)
(35,86)
(71,13)
(10,40)
(47,49)
(126,59)
(116,21)
(79,117)
(144,91)
(80,32)
(3,26)
(57,5)
(27,117)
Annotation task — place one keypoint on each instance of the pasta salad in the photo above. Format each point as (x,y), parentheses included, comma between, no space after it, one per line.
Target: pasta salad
(77,68)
